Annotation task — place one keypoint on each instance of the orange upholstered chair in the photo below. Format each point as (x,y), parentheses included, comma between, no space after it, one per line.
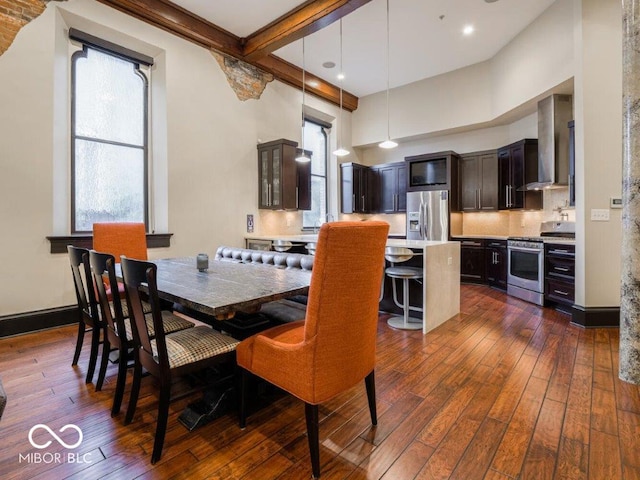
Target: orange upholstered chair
(128,239)
(334,347)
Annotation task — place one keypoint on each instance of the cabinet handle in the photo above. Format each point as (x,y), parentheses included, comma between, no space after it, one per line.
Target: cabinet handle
(506,196)
(363,203)
(495,255)
(479,199)
(558,251)
(268,195)
(561,269)
(297,199)
(355,205)
(560,292)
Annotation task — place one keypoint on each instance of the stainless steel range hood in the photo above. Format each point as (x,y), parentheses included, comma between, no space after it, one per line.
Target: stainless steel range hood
(554,113)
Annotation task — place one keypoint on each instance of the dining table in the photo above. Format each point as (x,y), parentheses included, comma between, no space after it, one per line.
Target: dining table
(226,287)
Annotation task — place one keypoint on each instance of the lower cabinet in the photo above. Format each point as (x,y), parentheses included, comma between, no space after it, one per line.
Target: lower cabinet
(559,282)
(496,259)
(472,261)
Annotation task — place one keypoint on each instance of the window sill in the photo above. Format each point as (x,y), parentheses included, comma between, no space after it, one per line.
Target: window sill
(59,243)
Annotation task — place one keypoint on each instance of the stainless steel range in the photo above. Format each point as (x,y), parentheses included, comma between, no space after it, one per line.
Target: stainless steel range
(525,274)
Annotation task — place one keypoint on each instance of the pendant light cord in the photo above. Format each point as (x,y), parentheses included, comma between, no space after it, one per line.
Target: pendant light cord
(303,88)
(388,121)
(341,81)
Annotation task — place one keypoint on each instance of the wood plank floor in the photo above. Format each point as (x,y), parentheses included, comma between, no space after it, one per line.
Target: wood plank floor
(504,390)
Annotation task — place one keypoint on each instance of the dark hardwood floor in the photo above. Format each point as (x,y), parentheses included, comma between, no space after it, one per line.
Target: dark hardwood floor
(504,390)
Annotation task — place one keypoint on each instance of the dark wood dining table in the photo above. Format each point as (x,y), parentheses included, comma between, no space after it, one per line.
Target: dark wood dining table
(226,287)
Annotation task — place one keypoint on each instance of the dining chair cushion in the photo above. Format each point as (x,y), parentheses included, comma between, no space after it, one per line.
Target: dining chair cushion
(171,323)
(146,308)
(195,344)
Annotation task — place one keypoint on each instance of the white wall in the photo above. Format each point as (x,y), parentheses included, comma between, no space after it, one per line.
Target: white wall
(538,60)
(209,145)
(598,116)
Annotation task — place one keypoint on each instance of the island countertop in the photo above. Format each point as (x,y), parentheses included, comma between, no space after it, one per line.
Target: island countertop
(311,238)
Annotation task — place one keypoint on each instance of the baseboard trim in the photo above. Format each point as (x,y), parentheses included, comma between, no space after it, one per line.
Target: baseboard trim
(594,317)
(38,320)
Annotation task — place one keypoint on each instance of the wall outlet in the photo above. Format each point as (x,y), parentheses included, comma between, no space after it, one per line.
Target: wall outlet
(449,260)
(288,222)
(522,224)
(600,214)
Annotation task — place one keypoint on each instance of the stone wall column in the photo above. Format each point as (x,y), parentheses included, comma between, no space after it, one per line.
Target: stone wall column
(630,294)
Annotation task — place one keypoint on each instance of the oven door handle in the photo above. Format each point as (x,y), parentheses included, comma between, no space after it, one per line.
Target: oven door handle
(525,249)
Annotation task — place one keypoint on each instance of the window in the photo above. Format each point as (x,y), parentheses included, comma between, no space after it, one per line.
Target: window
(109,122)
(315,139)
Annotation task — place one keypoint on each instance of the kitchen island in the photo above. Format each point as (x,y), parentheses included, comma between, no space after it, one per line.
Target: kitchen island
(441,269)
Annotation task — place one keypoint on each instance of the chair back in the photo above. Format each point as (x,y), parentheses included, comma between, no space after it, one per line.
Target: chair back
(342,311)
(129,239)
(83,283)
(138,274)
(104,273)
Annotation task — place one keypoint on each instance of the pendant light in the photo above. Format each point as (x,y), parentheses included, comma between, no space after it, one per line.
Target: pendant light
(303,156)
(340,152)
(388,143)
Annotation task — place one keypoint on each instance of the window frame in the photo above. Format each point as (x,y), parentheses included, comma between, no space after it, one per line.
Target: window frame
(324,127)
(136,59)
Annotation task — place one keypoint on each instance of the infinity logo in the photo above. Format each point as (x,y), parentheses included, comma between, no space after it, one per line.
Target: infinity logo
(52,433)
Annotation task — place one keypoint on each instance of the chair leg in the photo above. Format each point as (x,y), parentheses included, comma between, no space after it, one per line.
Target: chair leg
(370,384)
(120,382)
(104,361)
(135,390)
(243,386)
(93,356)
(311,414)
(161,428)
(81,332)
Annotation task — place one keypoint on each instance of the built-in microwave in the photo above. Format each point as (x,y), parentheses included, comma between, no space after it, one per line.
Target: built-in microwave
(432,171)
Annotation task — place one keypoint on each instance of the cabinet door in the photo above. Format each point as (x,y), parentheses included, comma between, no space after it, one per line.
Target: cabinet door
(276,178)
(488,195)
(472,262)
(348,188)
(504,178)
(401,194)
(517,176)
(496,266)
(469,183)
(264,168)
(303,171)
(387,189)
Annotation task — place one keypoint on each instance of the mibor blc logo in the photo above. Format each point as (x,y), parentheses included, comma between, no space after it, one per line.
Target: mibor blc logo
(56,457)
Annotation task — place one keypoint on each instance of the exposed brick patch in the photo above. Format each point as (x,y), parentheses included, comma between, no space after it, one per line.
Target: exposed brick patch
(15,14)
(245,80)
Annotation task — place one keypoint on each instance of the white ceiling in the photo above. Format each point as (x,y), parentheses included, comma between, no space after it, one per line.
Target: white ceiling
(421,44)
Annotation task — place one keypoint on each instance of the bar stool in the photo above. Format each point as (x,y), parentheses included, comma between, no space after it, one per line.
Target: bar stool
(399,255)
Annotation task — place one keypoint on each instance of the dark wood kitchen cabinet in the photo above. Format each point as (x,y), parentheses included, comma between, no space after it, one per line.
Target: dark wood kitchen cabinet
(517,166)
(472,261)
(284,184)
(560,274)
(478,181)
(496,263)
(358,188)
(391,187)
(572,163)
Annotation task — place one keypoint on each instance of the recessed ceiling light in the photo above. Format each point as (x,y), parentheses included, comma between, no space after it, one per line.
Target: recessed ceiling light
(490,1)
(340,76)
(329,64)
(468,30)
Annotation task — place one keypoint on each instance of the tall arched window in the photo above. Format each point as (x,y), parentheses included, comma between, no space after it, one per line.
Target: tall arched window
(315,139)
(109,139)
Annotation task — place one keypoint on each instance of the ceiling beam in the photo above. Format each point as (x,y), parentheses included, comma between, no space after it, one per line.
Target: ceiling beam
(178,21)
(304,20)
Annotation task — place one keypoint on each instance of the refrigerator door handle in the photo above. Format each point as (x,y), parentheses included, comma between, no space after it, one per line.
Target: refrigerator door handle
(421,221)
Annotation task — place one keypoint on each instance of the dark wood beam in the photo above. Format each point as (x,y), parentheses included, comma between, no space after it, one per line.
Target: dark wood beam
(304,20)
(292,75)
(178,21)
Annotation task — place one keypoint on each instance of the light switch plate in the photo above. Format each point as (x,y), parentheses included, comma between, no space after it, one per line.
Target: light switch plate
(615,202)
(600,214)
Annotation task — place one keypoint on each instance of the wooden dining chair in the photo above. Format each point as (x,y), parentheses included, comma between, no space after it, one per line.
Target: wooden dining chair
(116,323)
(334,347)
(88,313)
(165,356)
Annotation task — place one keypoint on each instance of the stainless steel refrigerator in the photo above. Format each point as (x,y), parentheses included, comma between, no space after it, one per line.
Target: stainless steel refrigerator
(428,215)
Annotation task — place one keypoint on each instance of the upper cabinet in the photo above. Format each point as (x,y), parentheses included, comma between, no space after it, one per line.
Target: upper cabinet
(391,187)
(517,166)
(478,181)
(358,188)
(284,184)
